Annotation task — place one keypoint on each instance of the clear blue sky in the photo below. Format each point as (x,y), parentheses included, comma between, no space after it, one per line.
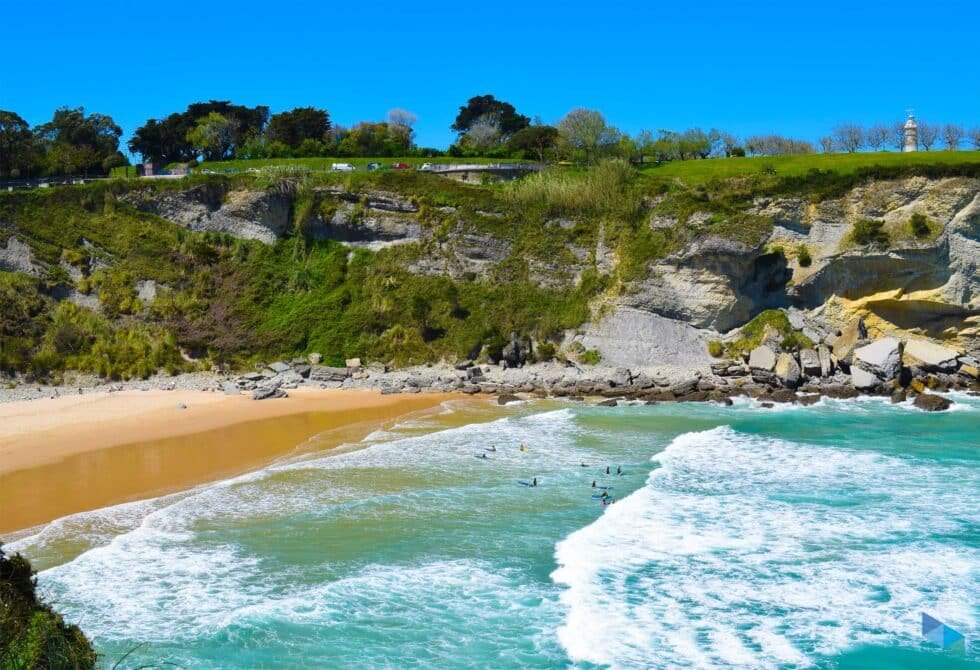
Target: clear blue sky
(788,67)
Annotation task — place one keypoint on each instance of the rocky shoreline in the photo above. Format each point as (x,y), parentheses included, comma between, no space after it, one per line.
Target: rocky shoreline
(844,365)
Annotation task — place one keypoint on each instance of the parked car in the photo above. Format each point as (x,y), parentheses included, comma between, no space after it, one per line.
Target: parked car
(343,167)
(374,166)
(401,166)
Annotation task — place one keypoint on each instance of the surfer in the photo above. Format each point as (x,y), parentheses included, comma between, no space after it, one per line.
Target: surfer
(584,464)
(483,455)
(534,482)
(493,447)
(593,483)
(619,470)
(607,469)
(523,448)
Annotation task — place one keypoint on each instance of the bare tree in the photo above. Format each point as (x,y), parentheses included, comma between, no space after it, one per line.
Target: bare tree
(928,133)
(827,144)
(586,130)
(483,133)
(953,135)
(876,137)
(729,143)
(896,135)
(848,136)
(975,137)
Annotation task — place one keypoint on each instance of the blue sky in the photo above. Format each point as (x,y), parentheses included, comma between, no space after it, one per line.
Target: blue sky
(793,68)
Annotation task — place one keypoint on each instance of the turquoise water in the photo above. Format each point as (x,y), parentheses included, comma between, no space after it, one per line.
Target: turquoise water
(741,537)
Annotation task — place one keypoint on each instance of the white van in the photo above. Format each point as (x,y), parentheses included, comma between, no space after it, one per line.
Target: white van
(343,167)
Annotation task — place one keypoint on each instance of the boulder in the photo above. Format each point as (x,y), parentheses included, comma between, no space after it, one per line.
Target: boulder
(826,361)
(302,369)
(929,356)
(882,357)
(898,395)
(315,358)
(354,363)
(849,339)
(514,354)
(970,371)
(325,373)
(932,403)
(607,403)
(762,358)
(280,366)
(810,363)
(269,389)
(917,385)
(782,396)
(863,380)
(810,399)
(505,398)
(230,388)
(788,371)
(685,387)
(620,377)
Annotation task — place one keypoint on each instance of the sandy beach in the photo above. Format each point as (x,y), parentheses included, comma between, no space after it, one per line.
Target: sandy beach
(74,453)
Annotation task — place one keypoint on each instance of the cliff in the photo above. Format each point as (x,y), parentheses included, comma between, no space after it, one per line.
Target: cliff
(124,278)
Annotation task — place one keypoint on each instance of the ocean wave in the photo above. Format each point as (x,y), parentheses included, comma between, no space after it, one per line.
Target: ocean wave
(755,552)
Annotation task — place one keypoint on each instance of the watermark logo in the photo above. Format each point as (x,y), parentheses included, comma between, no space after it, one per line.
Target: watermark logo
(941,635)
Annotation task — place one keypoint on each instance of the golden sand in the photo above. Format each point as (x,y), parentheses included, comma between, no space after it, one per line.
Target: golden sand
(71,454)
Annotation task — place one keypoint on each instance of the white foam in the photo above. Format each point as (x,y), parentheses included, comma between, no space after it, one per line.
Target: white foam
(755,552)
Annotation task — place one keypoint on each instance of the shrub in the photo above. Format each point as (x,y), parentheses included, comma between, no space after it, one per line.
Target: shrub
(919,225)
(716,348)
(868,231)
(803,256)
(590,357)
(32,635)
(545,351)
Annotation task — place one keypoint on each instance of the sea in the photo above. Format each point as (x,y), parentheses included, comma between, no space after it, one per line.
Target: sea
(690,535)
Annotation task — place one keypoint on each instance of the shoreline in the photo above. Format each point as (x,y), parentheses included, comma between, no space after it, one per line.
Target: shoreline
(78,453)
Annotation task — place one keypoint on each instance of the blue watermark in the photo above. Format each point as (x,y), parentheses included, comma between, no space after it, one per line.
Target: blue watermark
(941,635)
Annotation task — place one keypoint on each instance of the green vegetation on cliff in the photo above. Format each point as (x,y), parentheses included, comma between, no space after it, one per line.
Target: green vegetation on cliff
(32,635)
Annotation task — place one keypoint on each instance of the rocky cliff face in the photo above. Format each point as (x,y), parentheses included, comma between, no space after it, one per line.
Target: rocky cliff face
(926,286)
(923,286)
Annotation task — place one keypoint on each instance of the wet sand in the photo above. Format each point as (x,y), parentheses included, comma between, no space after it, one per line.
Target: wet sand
(73,454)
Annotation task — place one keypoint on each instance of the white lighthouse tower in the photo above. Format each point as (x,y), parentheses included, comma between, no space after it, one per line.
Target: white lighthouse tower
(911,134)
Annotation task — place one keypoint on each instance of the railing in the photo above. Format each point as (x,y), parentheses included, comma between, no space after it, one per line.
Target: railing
(45,182)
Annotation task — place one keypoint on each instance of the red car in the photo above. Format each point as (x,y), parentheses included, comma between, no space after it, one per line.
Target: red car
(401,166)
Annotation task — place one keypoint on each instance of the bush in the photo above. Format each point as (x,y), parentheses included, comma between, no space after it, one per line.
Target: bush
(803,256)
(919,225)
(545,351)
(716,348)
(32,635)
(590,357)
(868,231)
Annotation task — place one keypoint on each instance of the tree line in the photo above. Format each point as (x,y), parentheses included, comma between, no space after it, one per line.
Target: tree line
(75,142)
(852,137)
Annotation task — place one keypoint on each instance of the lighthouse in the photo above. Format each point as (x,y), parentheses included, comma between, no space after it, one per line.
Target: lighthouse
(911,134)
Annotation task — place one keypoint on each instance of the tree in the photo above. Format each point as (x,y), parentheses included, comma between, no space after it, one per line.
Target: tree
(896,135)
(586,130)
(483,134)
(534,140)
(484,107)
(975,137)
(848,137)
(165,140)
(729,143)
(876,137)
(952,136)
(827,144)
(16,144)
(928,133)
(213,137)
(696,143)
(75,142)
(401,122)
(292,128)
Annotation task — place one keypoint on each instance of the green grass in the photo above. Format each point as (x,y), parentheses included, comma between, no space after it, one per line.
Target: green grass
(701,171)
(755,330)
